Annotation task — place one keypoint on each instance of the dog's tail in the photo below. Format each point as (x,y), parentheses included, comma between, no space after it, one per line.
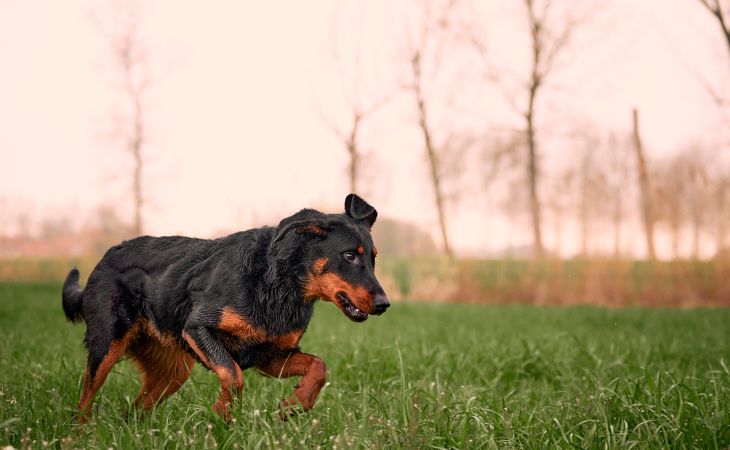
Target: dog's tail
(72,296)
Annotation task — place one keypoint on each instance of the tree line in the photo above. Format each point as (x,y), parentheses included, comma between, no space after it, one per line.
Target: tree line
(610,178)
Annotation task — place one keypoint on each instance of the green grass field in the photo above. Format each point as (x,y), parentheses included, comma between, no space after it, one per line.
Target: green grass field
(421,376)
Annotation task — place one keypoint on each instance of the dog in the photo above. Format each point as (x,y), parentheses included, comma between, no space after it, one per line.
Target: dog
(232,303)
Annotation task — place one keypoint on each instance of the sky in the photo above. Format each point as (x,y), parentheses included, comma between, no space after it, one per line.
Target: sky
(244,96)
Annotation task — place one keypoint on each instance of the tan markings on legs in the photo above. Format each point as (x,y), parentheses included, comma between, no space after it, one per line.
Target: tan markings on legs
(313,372)
(194,346)
(167,340)
(164,369)
(229,381)
(84,400)
(92,384)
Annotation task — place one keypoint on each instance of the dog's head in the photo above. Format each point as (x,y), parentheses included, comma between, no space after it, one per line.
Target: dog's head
(339,257)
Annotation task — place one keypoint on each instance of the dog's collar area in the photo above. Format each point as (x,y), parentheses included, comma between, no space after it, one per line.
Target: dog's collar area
(351,311)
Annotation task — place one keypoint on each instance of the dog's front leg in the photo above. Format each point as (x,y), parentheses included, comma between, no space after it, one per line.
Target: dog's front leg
(312,370)
(212,353)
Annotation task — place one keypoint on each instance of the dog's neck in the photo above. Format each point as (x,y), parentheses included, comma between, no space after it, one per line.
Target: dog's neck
(281,306)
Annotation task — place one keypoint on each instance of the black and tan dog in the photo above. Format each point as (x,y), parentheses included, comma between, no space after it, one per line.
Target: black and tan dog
(232,303)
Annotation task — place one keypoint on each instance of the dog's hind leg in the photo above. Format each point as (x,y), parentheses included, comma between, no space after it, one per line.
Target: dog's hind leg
(164,369)
(111,313)
(314,376)
(104,352)
(214,356)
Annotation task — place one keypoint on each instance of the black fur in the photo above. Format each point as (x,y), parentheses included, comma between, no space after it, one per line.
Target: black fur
(72,295)
(182,285)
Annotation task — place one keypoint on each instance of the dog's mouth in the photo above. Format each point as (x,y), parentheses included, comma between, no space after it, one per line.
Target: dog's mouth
(349,309)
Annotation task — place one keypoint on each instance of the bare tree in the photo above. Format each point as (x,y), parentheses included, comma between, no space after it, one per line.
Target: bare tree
(419,49)
(647,204)
(429,144)
(131,61)
(721,197)
(362,105)
(559,203)
(690,195)
(501,160)
(698,194)
(599,186)
(351,138)
(669,188)
(617,179)
(548,38)
(538,71)
(720,12)
(351,144)
(686,194)
(587,175)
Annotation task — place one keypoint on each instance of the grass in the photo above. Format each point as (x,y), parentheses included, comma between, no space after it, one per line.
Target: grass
(421,376)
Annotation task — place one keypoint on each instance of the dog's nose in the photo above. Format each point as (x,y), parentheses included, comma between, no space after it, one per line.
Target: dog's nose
(381,303)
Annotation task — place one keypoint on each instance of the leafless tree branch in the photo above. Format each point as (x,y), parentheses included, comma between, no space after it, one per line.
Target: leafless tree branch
(716,9)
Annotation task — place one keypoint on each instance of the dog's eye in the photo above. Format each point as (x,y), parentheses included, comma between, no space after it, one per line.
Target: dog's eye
(350,257)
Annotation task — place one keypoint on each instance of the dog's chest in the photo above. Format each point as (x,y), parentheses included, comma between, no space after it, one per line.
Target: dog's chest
(235,324)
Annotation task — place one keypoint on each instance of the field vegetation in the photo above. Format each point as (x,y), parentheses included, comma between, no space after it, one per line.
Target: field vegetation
(595,281)
(421,376)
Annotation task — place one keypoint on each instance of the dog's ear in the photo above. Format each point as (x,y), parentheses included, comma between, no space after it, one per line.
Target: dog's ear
(299,228)
(303,222)
(360,210)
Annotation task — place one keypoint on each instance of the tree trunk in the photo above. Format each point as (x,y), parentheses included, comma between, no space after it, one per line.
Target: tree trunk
(675,241)
(721,227)
(645,187)
(137,192)
(532,158)
(558,234)
(136,150)
(617,219)
(430,151)
(352,150)
(721,238)
(696,228)
(353,170)
(695,242)
(532,174)
(435,178)
(584,213)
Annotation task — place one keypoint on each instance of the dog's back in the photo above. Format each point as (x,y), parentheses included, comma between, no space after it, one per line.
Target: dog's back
(153,277)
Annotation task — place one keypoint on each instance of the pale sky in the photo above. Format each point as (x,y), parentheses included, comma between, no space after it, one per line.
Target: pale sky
(243,92)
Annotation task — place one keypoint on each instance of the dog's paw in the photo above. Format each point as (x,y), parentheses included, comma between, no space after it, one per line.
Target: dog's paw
(80,418)
(222,409)
(287,409)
